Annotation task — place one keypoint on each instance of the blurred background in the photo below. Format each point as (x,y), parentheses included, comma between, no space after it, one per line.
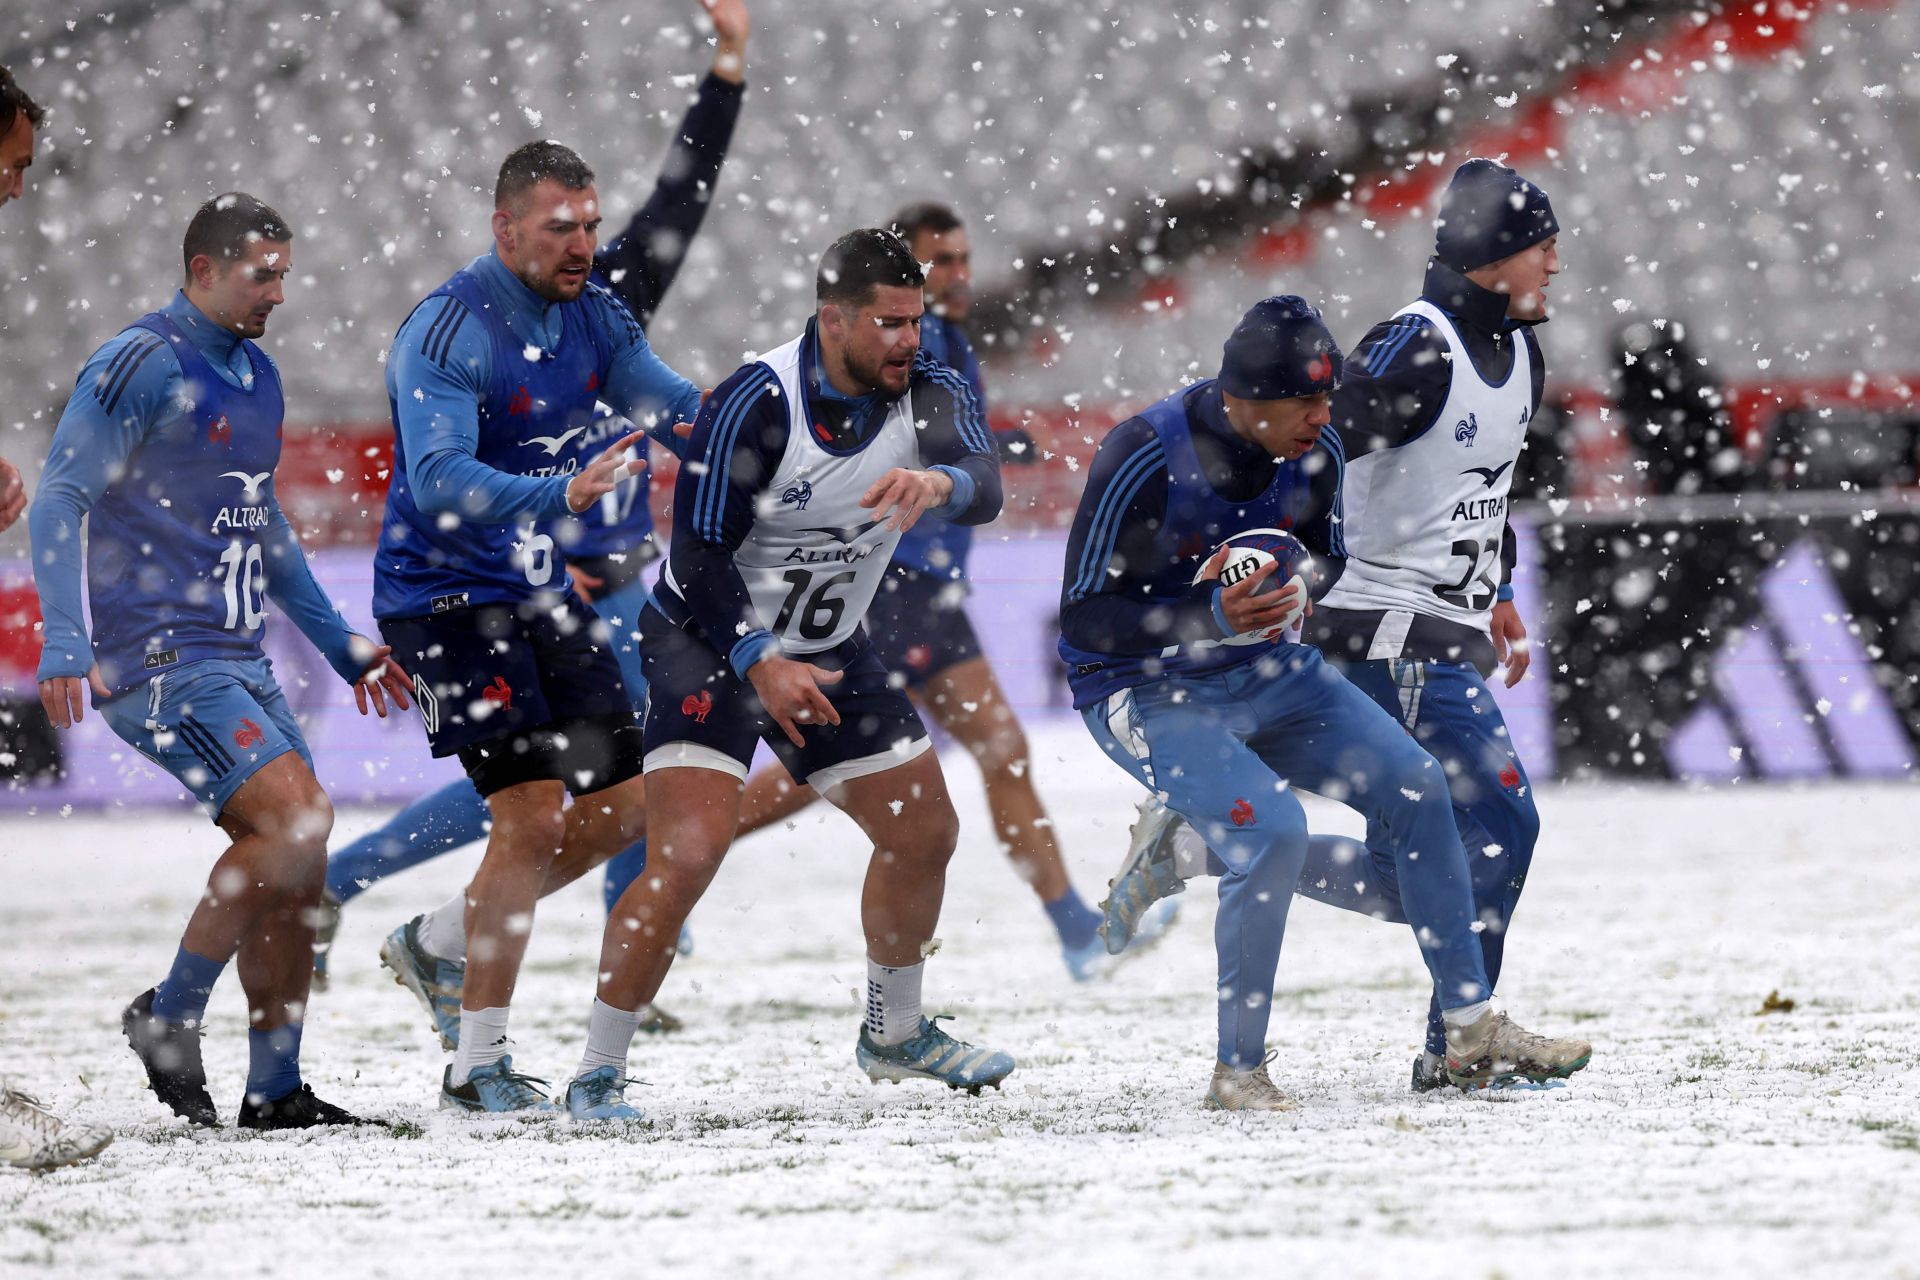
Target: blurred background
(1721,529)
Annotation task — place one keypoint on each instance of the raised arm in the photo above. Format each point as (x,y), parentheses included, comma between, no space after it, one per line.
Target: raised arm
(640,264)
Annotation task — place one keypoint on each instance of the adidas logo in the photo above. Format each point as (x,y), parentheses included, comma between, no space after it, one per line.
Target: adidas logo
(1794,694)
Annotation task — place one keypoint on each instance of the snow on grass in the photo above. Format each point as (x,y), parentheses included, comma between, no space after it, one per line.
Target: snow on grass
(1707,1138)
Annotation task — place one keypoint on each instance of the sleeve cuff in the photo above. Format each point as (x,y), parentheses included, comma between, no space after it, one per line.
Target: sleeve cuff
(59,660)
(1219,614)
(963,491)
(1505,593)
(752,647)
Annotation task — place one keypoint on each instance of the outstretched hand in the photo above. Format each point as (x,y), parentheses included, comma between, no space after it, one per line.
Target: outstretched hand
(605,473)
(907,494)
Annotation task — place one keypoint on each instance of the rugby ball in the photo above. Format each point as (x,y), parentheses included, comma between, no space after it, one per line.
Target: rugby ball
(1247,554)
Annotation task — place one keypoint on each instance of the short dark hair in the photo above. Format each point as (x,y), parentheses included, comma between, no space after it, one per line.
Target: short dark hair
(534,163)
(224,226)
(15,103)
(861,261)
(925,215)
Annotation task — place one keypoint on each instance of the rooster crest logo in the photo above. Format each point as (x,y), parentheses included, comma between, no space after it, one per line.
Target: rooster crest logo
(697,705)
(798,495)
(1319,369)
(499,693)
(1466,429)
(1241,813)
(248,734)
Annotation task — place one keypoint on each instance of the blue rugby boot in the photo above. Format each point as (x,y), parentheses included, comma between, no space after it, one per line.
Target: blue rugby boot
(932,1054)
(436,983)
(600,1095)
(1147,875)
(495,1088)
(1092,961)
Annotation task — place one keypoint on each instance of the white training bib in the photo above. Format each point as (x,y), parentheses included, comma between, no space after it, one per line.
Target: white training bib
(1424,519)
(814,556)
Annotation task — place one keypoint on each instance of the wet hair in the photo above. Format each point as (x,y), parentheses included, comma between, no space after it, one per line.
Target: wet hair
(925,215)
(15,103)
(224,226)
(861,261)
(526,167)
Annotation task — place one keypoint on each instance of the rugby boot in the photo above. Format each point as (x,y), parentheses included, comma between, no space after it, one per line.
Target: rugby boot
(436,983)
(297,1110)
(1147,874)
(1496,1050)
(32,1137)
(1094,961)
(932,1054)
(170,1051)
(494,1088)
(1232,1089)
(600,1094)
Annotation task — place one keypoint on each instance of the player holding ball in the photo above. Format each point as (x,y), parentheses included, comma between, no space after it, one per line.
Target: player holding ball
(1193,687)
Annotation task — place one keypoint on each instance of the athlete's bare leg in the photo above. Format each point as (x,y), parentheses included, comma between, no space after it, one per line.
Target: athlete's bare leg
(966,701)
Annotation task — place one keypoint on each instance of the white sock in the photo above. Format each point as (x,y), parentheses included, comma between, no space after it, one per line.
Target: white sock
(893,1002)
(1189,853)
(443,930)
(483,1041)
(609,1036)
(1466,1015)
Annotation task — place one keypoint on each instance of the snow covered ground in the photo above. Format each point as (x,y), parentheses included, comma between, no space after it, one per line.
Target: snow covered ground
(1707,1138)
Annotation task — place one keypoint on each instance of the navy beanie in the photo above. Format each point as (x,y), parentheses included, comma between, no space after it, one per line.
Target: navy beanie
(1488,213)
(1280,349)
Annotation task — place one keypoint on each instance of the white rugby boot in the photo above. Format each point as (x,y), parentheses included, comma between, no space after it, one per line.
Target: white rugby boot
(1494,1049)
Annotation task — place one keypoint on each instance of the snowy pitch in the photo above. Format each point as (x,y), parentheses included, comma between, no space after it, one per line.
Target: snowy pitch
(1707,1137)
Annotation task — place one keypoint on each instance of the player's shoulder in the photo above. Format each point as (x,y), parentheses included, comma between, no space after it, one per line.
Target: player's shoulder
(753,381)
(443,331)
(1399,346)
(1132,438)
(133,360)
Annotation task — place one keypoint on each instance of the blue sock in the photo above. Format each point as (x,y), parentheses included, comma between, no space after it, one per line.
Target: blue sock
(623,869)
(182,996)
(1077,923)
(432,825)
(273,1062)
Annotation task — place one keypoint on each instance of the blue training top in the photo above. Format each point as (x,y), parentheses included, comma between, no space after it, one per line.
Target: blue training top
(489,384)
(168,447)
(1150,516)
(936,546)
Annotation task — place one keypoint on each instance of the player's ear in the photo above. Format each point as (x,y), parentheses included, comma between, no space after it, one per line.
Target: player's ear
(503,228)
(833,320)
